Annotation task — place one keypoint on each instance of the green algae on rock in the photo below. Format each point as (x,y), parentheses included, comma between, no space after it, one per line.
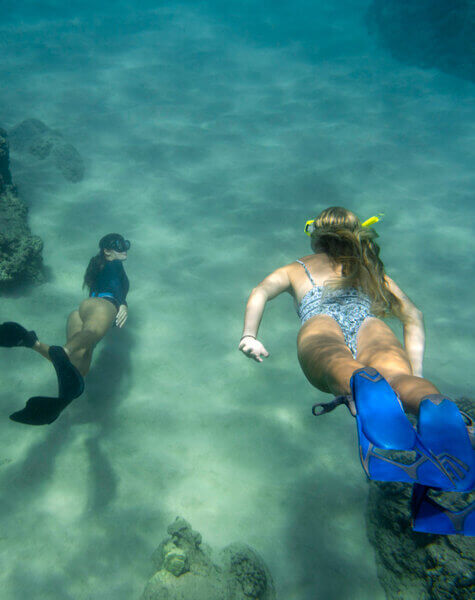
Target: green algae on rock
(184,569)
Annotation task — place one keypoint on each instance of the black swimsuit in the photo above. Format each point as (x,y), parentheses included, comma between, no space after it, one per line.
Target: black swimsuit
(112,284)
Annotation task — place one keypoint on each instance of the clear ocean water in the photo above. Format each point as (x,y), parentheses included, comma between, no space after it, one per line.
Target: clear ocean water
(211,132)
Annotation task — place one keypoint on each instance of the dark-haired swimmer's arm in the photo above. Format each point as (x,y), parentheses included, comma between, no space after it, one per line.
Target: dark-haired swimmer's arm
(413,327)
(118,285)
(273,285)
(122,314)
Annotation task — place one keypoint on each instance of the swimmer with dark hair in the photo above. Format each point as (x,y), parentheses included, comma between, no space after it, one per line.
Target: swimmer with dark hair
(106,306)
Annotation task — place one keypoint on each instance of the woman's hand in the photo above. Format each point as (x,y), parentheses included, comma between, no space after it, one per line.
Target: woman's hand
(121,317)
(252,348)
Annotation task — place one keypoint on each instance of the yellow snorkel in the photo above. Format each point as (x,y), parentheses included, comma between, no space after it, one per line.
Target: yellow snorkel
(372,220)
(310,225)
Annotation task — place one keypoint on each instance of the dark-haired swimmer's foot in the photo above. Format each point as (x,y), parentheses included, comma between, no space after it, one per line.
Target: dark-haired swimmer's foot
(13,335)
(70,380)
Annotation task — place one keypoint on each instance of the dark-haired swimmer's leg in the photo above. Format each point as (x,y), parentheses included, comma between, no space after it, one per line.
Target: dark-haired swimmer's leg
(96,316)
(325,358)
(73,326)
(378,347)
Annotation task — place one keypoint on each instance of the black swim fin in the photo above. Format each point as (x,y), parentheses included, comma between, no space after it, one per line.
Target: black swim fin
(70,380)
(40,410)
(13,334)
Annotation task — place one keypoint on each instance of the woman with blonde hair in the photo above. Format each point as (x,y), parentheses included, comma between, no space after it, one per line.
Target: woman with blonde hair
(342,294)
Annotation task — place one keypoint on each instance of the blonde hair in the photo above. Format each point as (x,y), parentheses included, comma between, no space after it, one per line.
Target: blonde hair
(340,235)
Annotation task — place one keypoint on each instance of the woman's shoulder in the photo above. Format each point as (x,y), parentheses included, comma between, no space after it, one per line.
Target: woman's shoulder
(297,263)
(313,261)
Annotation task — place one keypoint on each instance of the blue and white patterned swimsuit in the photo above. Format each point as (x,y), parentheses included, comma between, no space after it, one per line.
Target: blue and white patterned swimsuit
(348,306)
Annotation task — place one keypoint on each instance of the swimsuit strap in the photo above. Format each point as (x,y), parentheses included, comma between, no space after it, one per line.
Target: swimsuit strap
(307,271)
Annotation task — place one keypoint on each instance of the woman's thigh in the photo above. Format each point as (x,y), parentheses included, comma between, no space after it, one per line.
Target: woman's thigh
(97,315)
(378,347)
(74,324)
(321,347)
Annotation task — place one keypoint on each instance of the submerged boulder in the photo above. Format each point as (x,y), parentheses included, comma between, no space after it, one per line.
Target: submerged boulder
(5,177)
(20,251)
(419,566)
(426,33)
(36,138)
(185,570)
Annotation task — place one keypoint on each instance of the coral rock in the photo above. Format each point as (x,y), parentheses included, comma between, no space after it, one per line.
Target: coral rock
(20,252)
(426,33)
(185,570)
(33,136)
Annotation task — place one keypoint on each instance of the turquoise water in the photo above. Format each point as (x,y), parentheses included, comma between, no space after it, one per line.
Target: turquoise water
(210,135)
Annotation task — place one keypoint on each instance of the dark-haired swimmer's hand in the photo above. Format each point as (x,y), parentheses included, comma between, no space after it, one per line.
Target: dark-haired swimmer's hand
(253,348)
(121,317)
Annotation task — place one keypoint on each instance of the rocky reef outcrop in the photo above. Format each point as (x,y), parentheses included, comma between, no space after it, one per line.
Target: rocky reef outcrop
(5,176)
(36,138)
(426,33)
(20,251)
(187,569)
(419,566)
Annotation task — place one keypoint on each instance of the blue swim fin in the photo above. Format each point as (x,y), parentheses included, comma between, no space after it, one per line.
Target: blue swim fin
(383,425)
(441,428)
(430,517)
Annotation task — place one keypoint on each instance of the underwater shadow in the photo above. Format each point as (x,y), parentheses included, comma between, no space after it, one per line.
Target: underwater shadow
(119,534)
(37,584)
(319,538)
(107,384)
(28,478)
(25,480)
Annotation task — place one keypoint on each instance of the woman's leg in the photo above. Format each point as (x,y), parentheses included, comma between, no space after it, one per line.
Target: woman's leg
(86,327)
(73,326)
(325,358)
(328,363)
(378,347)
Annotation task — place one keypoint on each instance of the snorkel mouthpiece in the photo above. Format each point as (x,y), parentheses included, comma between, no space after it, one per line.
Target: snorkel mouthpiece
(310,227)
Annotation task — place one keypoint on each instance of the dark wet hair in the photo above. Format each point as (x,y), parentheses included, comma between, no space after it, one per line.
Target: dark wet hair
(111,241)
(340,235)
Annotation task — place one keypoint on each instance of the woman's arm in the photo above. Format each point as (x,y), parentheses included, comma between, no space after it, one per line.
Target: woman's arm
(413,327)
(273,285)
